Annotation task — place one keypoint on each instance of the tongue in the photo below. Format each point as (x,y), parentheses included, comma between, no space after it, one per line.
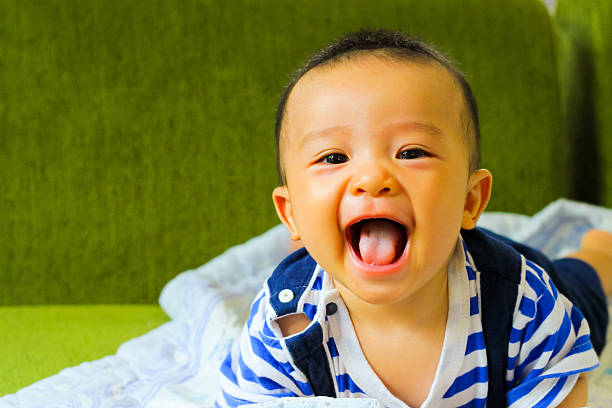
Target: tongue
(378,241)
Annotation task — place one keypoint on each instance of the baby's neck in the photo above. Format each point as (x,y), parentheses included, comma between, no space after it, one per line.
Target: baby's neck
(412,332)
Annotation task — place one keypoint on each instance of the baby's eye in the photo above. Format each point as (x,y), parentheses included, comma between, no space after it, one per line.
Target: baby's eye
(411,154)
(334,158)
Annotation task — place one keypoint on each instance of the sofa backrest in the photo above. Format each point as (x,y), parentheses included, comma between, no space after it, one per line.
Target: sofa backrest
(585,47)
(136,137)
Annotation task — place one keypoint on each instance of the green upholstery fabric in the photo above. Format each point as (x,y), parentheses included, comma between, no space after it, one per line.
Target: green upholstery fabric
(136,137)
(585,47)
(39,341)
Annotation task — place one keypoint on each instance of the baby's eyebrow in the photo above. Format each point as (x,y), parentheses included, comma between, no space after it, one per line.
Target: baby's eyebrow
(412,126)
(322,133)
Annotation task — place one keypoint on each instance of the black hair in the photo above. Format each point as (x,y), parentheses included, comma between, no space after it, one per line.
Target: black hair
(395,45)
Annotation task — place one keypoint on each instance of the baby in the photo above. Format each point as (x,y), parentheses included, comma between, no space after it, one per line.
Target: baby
(378,156)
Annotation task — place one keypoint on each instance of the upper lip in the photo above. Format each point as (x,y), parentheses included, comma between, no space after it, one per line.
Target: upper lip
(371,216)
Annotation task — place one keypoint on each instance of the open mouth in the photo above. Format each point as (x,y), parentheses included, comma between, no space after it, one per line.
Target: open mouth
(377,241)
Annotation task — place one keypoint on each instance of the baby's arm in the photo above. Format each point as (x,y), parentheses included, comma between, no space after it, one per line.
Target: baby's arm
(550,348)
(257,369)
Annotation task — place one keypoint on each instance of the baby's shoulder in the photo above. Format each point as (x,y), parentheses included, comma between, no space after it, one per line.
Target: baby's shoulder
(536,288)
(506,275)
(288,294)
(540,307)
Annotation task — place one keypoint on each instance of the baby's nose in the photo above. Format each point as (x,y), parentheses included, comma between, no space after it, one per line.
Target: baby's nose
(373,180)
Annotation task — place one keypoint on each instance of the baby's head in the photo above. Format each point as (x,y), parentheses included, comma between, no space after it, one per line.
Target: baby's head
(378,155)
(392,46)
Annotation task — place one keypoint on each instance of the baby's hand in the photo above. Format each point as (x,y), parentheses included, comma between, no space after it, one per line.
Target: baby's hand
(578,396)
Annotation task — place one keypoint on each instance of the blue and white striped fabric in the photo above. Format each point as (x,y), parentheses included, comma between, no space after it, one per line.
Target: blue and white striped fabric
(549,347)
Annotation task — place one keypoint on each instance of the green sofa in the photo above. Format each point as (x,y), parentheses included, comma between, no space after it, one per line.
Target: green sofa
(136,141)
(584,43)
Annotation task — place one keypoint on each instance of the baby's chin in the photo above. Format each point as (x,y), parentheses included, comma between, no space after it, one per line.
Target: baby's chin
(375,294)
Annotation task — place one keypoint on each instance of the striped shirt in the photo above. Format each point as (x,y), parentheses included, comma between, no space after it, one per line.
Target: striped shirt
(549,347)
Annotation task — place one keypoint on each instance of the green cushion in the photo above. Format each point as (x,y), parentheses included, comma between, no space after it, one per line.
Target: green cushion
(39,341)
(137,137)
(585,46)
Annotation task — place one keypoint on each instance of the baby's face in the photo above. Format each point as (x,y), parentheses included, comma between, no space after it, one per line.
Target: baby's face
(377,173)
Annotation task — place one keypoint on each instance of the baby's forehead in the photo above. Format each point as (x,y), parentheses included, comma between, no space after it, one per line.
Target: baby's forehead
(333,77)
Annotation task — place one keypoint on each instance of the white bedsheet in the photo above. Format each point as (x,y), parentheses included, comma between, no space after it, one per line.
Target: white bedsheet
(176,364)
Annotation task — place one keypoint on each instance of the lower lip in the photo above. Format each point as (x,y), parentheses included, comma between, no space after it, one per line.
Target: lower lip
(379,271)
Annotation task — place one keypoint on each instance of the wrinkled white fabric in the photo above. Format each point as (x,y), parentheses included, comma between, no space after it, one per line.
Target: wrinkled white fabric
(176,365)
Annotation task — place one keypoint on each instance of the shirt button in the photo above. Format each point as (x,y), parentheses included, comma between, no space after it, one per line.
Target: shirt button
(285,296)
(331,308)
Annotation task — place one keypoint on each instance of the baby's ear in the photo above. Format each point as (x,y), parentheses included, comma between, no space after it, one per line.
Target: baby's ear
(479,192)
(282,203)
